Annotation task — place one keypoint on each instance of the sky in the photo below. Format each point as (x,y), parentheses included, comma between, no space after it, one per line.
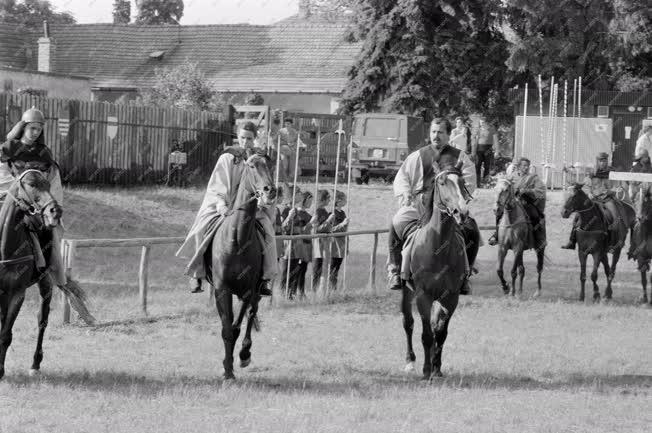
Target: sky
(195,11)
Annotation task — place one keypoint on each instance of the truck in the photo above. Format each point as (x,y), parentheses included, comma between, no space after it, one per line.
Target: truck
(382,141)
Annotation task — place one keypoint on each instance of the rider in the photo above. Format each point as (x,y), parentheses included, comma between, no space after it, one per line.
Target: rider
(411,182)
(603,190)
(25,147)
(219,197)
(531,192)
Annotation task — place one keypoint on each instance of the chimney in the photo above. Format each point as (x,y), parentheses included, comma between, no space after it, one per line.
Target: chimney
(304,9)
(45,50)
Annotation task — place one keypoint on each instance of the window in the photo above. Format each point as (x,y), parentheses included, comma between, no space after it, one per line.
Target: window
(649,112)
(603,111)
(381,127)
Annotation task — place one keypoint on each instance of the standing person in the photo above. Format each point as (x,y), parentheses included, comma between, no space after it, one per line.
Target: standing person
(412,181)
(322,223)
(531,192)
(338,250)
(644,142)
(486,138)
(298,221)
(642,164)
(25,147)
(219,197)
(285,204)
(460,136)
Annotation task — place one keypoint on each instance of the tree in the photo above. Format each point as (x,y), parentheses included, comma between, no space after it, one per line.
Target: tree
(121,11)
(428,58)
(183,87)
(159,11)
(632,58)
(32,13)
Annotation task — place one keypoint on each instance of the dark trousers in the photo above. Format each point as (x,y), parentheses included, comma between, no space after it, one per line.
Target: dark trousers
(297,282)
(484,158)
(317,267)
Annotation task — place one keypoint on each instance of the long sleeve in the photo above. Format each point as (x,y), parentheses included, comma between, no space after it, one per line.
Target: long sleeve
(322,226)
(219,185)
(409,177)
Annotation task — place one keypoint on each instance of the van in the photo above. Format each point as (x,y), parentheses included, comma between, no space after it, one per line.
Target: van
(382,141)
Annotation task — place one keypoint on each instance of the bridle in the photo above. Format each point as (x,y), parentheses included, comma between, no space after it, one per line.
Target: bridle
(441,205)
(30,205)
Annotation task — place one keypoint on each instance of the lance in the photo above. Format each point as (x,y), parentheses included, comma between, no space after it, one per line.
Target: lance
(294,192)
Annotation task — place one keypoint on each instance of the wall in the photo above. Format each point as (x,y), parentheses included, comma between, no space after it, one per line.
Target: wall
(55,85)
(301,102)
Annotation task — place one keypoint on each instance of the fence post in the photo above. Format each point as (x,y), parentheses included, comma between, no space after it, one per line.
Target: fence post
(142,277)
(68,258)
(372,270)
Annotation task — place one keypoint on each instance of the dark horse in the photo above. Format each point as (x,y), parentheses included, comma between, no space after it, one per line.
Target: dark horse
(29,210)
(642,239)
(438,268)
(515,233)
(236,261)
(593,238)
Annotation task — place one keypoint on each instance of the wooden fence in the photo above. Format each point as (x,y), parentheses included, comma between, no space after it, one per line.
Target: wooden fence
(70,246)
(100,142)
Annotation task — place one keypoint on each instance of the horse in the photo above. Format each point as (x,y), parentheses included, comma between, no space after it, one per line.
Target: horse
(234,262)
(515,232)
(438,269)
(642,239)
(593,239)
(28,215)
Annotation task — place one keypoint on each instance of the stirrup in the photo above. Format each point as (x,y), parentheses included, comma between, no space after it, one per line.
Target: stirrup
(493,240)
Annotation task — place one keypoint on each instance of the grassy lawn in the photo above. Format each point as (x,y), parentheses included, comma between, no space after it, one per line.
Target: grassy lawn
(510,365)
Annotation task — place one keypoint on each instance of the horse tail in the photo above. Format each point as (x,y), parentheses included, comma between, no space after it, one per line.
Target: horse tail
(78,300)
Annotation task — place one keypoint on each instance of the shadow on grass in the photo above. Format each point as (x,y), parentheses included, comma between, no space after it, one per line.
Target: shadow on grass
(359,382)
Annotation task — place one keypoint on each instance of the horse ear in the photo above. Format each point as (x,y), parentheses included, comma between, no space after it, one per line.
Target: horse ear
(459,165)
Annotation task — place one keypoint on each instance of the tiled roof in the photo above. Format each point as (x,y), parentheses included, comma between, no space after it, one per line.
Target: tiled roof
(285,57)
(17,46)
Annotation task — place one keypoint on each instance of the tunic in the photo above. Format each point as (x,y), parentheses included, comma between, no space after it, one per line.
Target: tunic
(338,244)
(321,246)
(302,248)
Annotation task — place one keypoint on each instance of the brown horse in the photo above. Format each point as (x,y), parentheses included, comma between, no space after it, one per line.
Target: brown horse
(642,239)
(29,211)
(235,261)
(515,233)
(593,238)
(438,268)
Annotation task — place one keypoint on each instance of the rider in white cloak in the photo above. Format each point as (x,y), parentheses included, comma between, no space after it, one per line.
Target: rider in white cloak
(219,198)
(410,184)
(25,145)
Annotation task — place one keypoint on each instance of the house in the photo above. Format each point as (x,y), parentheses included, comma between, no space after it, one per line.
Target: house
(295,65)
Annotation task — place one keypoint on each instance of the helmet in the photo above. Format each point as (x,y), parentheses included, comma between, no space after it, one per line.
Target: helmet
(33,115)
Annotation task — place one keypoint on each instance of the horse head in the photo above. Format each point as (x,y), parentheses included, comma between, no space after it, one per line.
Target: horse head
(258,177)
(31,192)
(504,196)
(576,200)
(451,192)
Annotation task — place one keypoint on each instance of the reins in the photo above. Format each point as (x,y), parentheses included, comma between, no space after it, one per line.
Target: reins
(31,207)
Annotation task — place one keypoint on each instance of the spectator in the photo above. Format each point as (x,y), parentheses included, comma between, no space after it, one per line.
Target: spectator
(461,136)
(297,221)
(338,244)
(644,142)
(641,165)
(322,223)
(284,204)
(486,137)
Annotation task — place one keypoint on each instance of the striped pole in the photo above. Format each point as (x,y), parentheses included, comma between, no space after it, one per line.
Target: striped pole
(312,288)
(339,132)
(563,137)
(288,253)
(524,118)
(348,210)
(543,145)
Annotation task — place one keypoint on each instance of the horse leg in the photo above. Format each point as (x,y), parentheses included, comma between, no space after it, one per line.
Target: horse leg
(45,290)
(514,271)
(245,352)
(9,308)
(521,273)
(502,252)
(582,256)
(408,326)
(611,271)
(224,302)
(540,259)
(440,317)
(424,303)
(643,299)
(597,259)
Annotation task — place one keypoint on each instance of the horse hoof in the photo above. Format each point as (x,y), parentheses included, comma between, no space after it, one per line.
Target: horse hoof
(536,294)
(228,377)
(596,298)
(34,372)
(244,363)
(642,300)
(436,375)
(409,367)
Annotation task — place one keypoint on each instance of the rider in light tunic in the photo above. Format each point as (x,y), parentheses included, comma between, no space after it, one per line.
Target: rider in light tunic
(219,198)
(25,147)
(412,182)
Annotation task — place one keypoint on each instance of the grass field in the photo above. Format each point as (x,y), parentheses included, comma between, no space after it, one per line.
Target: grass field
(511,365)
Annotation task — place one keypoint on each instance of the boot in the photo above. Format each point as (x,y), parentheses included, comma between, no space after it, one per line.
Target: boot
(570,245)
(265,288)
(394,260)
(493,240)
(195,285)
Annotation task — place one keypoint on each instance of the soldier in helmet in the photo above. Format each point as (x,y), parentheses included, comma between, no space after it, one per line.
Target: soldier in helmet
(25,149)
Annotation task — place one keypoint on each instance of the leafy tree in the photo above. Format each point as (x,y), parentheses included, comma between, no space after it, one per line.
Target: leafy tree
(159,11)
(183,87)
(632,58)
(32,13)
(121,11)
(428,58)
